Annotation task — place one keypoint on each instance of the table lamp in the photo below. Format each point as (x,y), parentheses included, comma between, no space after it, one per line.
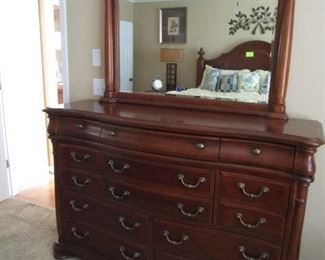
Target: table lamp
(171,57)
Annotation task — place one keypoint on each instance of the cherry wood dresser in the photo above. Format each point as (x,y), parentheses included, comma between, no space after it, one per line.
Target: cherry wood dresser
(143,182)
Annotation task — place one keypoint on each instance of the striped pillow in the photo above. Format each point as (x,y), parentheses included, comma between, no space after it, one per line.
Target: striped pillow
(228,83)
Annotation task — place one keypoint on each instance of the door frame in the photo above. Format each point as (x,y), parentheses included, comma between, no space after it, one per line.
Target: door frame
(65,56)
(7,188)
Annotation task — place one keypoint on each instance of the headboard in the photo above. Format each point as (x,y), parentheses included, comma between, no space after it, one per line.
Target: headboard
(236,59)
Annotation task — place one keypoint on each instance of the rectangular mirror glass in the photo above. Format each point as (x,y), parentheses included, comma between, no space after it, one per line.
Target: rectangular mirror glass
(160,41)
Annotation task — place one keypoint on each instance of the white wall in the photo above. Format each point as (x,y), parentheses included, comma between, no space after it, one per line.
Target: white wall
(85,22)
(306,99)
(23,96)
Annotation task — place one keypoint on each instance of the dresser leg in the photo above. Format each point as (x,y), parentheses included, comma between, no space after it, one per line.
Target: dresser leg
(60,252)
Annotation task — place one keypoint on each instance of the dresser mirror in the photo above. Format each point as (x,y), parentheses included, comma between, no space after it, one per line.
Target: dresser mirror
(165,42)
(211,55)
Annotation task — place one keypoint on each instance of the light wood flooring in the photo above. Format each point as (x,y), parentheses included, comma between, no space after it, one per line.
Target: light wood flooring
(41,195)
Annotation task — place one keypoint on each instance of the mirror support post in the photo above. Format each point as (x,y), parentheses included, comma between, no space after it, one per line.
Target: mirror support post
(281,58)
(111,51)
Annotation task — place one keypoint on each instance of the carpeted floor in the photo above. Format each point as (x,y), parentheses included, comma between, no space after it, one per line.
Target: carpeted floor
(27,231)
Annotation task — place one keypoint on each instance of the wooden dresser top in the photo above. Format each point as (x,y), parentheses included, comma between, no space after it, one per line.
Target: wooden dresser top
(293,131)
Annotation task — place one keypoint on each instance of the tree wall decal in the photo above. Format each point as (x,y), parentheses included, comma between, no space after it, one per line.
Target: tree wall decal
(261,20)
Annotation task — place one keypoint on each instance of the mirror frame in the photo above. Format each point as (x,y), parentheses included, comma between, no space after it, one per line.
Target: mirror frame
(281,53)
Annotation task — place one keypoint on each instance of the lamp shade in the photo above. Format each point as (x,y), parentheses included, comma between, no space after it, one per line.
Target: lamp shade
(171,55)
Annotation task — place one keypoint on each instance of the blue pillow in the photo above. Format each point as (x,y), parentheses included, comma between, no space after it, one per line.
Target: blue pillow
(265,81)
(228,83)
(248,81)
(210,79)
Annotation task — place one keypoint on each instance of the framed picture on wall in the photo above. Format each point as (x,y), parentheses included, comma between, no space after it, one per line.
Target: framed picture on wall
(173,25)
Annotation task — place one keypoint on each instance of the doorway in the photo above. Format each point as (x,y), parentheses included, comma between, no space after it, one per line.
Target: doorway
(25,92)
(52,25)
(54,53)
(126,56)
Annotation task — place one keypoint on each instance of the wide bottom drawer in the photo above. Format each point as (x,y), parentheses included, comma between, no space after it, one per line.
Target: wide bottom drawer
(101,243)
(208,244)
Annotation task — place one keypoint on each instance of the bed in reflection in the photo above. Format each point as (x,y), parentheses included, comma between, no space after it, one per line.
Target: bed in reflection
(242,74)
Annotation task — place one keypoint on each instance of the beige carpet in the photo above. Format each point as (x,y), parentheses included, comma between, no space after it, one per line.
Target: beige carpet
(27,231)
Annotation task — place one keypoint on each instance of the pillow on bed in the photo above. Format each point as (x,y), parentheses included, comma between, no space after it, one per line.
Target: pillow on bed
(210,78)
(265,81)
(248,81)
(228,83)
(227,72)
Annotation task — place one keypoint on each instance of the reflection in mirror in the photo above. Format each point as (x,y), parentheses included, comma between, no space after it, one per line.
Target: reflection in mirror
(163,39)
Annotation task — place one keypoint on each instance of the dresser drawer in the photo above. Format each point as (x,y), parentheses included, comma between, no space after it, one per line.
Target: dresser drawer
(96,240)
(121,221)
(257,154)
(85,183)
(75,156)
(80,128)
(185,146)
(191,181)
(161,203)
(254,192)
(251,222)
(208,244)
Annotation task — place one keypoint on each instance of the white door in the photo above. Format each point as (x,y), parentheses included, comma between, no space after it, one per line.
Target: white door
(23,94)
(126,56)
(5,182)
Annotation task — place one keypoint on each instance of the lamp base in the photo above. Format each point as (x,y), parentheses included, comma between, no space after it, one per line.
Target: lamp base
(171,76)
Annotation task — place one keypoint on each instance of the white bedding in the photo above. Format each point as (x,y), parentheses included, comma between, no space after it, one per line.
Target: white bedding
(248,97)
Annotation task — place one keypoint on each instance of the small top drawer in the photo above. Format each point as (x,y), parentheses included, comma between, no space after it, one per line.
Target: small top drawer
(257,192)
(257,153)
(82,182)
(76,156)
(80,128)
(186,146)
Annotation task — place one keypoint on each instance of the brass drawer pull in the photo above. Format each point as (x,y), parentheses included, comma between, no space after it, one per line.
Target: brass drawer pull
(111,133)
(175,243)
(256,151)
(80,185)
(191,186)
(78,209)
(118,197)
(79,236)
(111,164)
(199,210)
(200,146)
(252,195)
(260,221)
(80,126)
(242,250)
(126,227)
(135,255)
(84,159)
